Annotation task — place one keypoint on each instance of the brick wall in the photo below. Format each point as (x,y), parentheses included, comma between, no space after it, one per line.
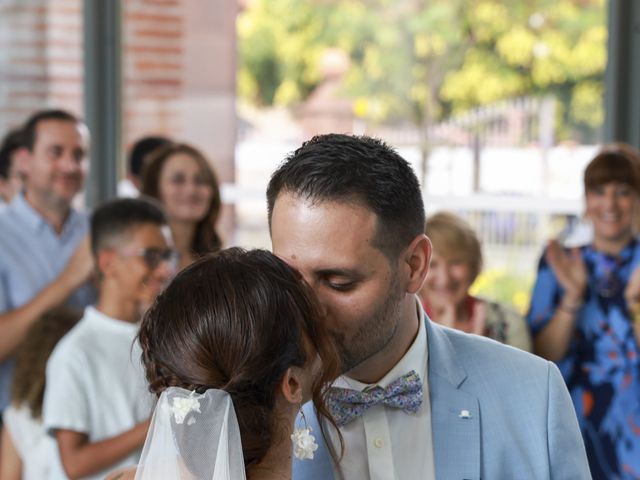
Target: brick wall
(178,71)
(169,48)
(39,58)
(153,52)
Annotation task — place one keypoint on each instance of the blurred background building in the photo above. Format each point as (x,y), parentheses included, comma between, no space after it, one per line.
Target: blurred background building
(498,105)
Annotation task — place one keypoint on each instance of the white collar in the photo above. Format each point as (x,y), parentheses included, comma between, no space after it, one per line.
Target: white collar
(96,317)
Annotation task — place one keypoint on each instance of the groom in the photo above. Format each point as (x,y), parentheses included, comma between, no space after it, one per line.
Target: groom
(416,400)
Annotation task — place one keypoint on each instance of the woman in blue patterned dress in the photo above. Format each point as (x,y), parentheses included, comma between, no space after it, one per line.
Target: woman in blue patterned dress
(580,316)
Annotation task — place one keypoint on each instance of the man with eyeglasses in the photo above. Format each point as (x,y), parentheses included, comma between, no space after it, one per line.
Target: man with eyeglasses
(97,403)
(40,232)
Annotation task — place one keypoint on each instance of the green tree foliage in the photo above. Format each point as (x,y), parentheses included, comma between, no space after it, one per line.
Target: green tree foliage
(422,60)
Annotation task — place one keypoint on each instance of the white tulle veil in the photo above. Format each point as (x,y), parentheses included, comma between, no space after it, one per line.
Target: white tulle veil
(192,437)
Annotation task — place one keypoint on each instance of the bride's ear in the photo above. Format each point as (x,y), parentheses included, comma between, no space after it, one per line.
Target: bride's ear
(291,385)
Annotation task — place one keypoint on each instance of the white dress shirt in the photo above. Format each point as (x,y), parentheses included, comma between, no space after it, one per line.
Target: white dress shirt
(387,443)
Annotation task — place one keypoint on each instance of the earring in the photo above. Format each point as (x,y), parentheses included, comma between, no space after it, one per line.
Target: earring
(304,444)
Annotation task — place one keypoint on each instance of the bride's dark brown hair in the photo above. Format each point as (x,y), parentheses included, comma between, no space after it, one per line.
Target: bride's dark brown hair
(236,320)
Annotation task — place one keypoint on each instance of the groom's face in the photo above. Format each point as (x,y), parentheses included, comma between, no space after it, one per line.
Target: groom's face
(332,245)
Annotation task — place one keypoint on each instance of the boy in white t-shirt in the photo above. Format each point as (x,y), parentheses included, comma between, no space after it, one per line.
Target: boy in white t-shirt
(97,404)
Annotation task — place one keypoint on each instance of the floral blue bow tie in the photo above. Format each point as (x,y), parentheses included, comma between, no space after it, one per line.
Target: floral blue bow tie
(404,393)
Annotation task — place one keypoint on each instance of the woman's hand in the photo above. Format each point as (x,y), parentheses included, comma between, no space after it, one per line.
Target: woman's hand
(553,340)
(570,270)
(447,316)
(632,297)
(478,320)
(632,291)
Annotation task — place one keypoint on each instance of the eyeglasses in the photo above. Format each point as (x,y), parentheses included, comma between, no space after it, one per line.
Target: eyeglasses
(153,257)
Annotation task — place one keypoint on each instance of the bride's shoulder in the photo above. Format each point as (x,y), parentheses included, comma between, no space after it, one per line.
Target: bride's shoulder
(126,474)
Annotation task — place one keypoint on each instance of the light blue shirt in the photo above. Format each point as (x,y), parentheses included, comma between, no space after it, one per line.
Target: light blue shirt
(32,255)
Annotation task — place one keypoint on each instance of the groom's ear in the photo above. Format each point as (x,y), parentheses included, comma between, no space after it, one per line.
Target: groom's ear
(291,385)
(416,262)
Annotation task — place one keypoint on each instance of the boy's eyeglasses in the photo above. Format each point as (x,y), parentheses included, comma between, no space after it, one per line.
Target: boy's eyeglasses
(153,257)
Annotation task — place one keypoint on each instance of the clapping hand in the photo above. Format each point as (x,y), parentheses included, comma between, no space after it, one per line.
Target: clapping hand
(632,291)
(478,320)
(447,316)
(570,270)
(476,323)
(632,296)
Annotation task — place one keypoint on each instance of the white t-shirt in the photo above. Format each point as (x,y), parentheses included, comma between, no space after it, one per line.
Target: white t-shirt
(32,443)
(96,384)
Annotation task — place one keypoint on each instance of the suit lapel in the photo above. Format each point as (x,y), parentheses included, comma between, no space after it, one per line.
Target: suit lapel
(455,414)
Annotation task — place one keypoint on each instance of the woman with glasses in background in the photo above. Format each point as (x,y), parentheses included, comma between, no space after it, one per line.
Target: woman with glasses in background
(581,315)
(182,179)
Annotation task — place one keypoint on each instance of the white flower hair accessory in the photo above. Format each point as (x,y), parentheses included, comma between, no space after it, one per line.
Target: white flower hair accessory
(182,406)
(304,444)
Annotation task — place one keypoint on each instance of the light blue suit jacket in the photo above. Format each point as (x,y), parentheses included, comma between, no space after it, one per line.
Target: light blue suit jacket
(522,425)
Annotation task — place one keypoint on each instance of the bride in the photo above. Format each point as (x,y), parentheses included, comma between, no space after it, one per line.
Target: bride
(233,347)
